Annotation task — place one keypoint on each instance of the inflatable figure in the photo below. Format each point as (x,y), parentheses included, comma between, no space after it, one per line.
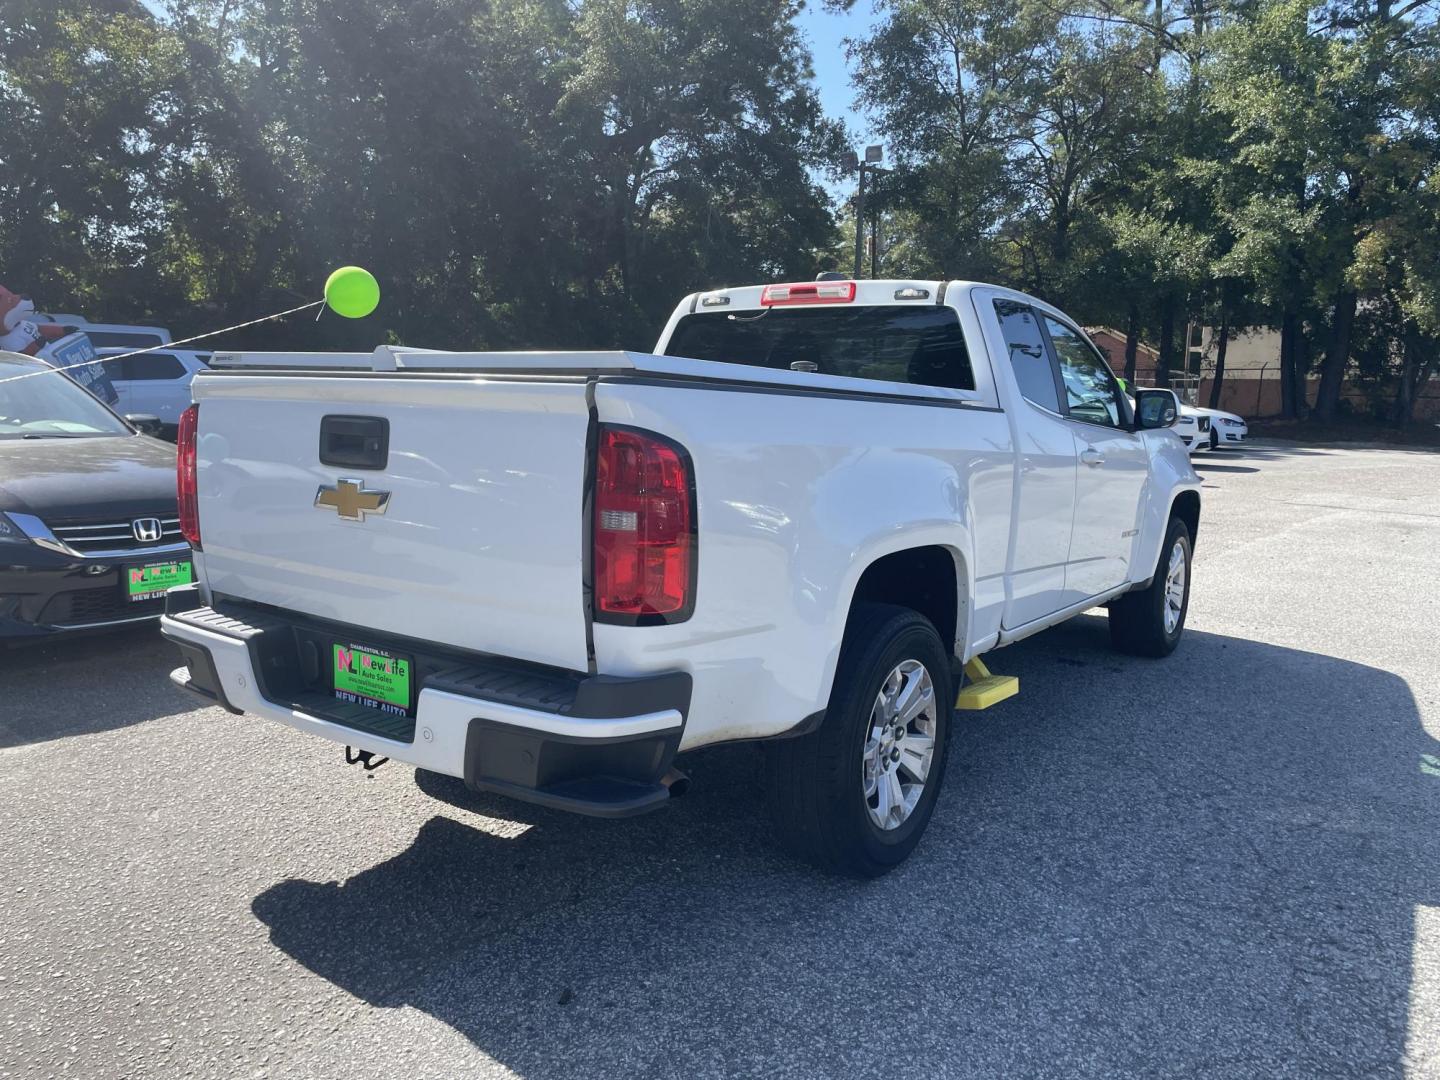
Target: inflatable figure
(18,332)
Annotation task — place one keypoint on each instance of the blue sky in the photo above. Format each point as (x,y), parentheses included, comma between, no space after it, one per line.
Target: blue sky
(826,33)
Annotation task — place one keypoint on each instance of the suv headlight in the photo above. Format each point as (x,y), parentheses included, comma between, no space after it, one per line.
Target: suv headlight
(10,532)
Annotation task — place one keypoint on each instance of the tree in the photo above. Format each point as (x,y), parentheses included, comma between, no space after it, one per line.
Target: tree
(88,92)
(1282,159)
(1319,101)
(937,77)
(518,172)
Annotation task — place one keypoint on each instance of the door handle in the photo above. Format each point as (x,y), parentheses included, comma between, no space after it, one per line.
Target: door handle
(1091,456)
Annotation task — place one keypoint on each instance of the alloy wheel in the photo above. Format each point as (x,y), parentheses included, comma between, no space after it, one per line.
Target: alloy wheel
(1175,587)
(899,745)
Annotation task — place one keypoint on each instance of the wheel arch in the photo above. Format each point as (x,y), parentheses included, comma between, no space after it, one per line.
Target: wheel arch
(931,579)
(1186,507)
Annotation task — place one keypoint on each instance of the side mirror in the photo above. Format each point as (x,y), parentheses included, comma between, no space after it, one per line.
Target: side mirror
(144,423)
(1156,409)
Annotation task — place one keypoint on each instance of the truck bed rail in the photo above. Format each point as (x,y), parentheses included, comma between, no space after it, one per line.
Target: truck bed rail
(392,360)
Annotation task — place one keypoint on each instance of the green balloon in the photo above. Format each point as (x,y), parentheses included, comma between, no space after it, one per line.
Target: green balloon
(352,292)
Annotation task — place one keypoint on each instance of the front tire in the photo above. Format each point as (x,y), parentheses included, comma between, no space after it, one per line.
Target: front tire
(854,796)
(1150,622)
(1214,439)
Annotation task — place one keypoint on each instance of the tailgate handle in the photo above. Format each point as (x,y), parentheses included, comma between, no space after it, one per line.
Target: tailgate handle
(355,442)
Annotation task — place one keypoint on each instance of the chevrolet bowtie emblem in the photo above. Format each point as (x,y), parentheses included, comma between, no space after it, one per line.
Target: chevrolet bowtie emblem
(350,500)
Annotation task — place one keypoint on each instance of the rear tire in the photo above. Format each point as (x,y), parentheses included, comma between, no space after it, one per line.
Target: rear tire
(1150,622)
(854,796)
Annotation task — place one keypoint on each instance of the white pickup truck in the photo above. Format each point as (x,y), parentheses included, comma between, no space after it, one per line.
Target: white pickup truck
(547,573)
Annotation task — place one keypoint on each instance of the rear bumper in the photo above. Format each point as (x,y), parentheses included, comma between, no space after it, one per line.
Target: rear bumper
(597,745)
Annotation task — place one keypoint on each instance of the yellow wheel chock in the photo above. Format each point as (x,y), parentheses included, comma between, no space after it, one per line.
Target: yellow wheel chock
(984,689)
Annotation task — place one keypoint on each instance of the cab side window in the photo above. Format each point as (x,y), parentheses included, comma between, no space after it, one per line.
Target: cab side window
(1028,356)
(1091,392)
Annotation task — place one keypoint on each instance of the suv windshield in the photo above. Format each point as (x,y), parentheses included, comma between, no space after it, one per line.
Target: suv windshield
(903,344)
(49,406)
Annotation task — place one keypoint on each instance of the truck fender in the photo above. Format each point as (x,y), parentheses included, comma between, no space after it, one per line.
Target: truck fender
(950,538)
(1173,487)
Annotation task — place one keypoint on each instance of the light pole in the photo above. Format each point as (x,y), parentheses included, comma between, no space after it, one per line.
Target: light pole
(872,155)
(877,203)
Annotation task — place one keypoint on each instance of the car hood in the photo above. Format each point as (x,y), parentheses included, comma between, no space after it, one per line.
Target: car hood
(91,479)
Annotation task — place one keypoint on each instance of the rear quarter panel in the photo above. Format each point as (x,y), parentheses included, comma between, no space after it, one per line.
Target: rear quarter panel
(796,496)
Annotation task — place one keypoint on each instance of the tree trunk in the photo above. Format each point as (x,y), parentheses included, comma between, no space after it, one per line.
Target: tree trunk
(1132,341)
(1289,324)
(1426,373)
(1167,343)
(1337,353)
(1404,405)
(1221,344)
(622,246)
(1419,369)
(1159,38)
(1300,370)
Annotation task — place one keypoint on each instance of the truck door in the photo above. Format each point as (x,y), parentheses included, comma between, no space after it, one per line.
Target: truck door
(1112,469)
(1045,483)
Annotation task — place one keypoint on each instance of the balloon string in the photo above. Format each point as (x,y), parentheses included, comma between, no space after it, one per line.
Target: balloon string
(159,348)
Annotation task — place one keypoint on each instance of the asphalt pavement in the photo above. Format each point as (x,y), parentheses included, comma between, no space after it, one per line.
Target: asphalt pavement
(1224,864)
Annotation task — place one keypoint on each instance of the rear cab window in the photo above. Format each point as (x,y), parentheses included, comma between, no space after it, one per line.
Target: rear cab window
(922,346)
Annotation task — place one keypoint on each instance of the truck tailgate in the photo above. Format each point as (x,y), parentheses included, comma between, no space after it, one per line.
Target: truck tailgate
(480,543)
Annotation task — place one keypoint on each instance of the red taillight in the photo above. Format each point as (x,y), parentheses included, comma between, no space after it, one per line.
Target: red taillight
(808,292)
(644,529)
(185,487)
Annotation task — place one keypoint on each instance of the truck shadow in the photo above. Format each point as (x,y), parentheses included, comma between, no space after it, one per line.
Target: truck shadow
(1125,876)
(86,684)
(1206,466)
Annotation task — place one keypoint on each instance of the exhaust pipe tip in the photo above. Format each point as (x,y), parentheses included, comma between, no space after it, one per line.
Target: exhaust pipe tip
(676,782)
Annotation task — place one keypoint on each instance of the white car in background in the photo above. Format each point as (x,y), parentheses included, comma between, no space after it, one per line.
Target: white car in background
(1226,429)
(1194,431)
(154,383)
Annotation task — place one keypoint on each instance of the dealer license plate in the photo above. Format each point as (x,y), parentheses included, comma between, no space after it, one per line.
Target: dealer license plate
(372,677)
(150,581)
